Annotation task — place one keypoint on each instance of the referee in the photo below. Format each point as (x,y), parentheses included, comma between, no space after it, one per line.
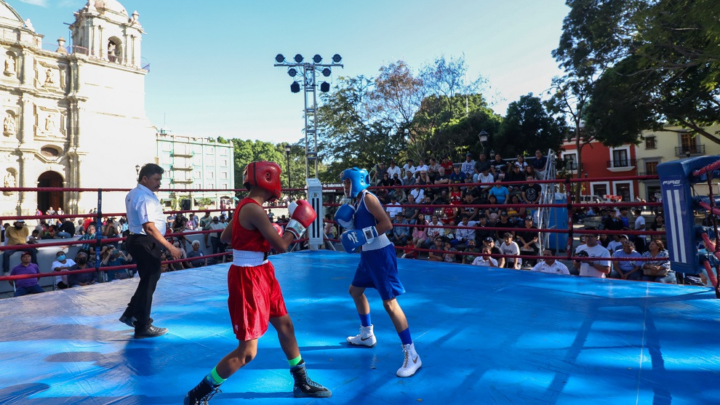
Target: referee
(146,223)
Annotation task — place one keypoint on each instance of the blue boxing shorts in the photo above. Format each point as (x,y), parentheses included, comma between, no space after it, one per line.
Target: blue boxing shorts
(378,270)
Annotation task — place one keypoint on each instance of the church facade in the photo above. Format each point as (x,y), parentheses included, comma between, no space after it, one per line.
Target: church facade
(73,116)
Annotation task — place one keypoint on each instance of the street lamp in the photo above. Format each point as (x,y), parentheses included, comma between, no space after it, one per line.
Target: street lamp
(483,139)
(492,154)
(137,169)
(287,154)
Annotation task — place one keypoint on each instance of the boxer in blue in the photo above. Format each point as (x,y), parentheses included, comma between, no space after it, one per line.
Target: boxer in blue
(366,223)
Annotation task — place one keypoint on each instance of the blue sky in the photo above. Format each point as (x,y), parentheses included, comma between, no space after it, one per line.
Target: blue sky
(212,68)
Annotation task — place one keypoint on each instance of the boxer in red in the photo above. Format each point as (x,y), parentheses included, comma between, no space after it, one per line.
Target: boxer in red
(255,298)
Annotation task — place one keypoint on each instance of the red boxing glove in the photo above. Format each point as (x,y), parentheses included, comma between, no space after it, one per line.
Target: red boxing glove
(278,228)
(302,217)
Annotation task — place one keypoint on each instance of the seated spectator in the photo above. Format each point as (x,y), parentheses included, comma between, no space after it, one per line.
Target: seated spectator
(627,270)
(62,263)
(408,180)
(471,248)
(485,178)
(179,265)
(604,240)
(474,191)
(482,164)
(481,234)
(411,213)
(500,192)
(424,179)
(17,235)
(466,209)
(448,256)
(400,234)
(79,229)
(529,171)
(421,167)
(164,267)
(492,213)
(396,181)
(504,222)
(379,173)
(27,285)
(196,254)
(448,215)
(391,170)
(33,239)
(465,233)
(89,235)
(394,208)
(485,259)
(419,235)
(508,247)
(531,192)
(427,210)
(550,265)
(613,223)
(433,168)
(111,257)
(399,194)
(528,240)
(468,166)
(498,166)
(409,166)
(515,175)
(81,279)
(457,177)
(489,243)
(48,233)
(658,269)
(441,178)
(178,227)
(67,229)
(434,230)
(447,165)
(418,195)
(436,256)
(516,209)
(521,163)
(217,246)
(539,163)
(193,222)
(615,243)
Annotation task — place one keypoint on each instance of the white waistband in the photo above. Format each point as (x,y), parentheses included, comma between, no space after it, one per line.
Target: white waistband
(244,258)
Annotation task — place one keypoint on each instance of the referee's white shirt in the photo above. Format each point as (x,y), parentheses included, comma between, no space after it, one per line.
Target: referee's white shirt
(142,206)
(555,268)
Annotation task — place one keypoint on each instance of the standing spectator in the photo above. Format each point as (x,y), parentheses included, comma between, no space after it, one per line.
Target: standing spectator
(81,279)
(196,254)
(378,173)
(146,223)
(468,166)
(538,164)
(508,247)
(204,224)
(658,269)
(27,285)
(639,226)
(409,167)
(217,246)
(549,265)
(393,208)
(592,249)
(627,270)
(62,263)
(393,169)
(528,239)
(17,235)
(485,259)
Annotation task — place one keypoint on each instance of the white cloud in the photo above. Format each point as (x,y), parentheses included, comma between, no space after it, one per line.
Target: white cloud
(41,3)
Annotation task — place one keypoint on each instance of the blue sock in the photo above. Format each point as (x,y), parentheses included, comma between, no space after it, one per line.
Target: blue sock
(405,337)
(365,319)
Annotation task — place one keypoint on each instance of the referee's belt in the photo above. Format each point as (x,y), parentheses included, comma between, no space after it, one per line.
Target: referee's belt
(245,258)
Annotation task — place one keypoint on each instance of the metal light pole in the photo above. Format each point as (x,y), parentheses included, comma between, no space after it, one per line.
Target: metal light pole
(483,139)
(287,154)
(308,71)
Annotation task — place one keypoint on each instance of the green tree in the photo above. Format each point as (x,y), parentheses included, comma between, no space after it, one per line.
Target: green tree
(527,127)
(247,151)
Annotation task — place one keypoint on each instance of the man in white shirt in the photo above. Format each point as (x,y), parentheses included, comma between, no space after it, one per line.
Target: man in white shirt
(146,223)
(463,235)
(639,226)
(468,166)
(550,265)
(393,208)
(409,167)
(591,248)
(393,169)
(485,259)
(61,263)
(486,177)
(421,167)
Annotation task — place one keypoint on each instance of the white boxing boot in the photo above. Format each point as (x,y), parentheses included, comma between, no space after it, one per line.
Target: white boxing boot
(365,338)
(411,363)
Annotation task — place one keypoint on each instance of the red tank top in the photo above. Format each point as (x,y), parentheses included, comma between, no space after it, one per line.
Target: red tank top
(245,239)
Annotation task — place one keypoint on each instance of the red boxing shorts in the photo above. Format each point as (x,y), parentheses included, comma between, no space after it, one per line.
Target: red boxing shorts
(254,298)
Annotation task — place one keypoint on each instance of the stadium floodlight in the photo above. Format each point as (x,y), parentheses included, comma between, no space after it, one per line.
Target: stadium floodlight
(337,58)
(317,58)
(295,87)
(279,58)
(299,58)
(292,72)
(324,87)
(326,72)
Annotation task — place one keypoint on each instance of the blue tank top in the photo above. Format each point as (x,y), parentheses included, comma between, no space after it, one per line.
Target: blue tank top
(364,218)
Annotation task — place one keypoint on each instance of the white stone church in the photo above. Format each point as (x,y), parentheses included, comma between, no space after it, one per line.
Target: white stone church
(72,115)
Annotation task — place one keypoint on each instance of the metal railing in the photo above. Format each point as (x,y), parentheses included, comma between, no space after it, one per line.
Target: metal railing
(619,163)
(681,151)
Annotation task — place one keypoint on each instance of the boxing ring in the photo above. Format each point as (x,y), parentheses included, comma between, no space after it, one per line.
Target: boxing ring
(486,336)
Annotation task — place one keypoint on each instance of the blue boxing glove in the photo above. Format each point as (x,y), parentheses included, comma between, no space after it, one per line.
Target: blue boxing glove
(355,238)
(344,216)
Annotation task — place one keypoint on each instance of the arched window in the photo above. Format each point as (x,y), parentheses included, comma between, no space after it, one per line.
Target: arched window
(115,50)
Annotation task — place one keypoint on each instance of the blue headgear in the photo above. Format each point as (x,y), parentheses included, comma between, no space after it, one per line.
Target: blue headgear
(359,180)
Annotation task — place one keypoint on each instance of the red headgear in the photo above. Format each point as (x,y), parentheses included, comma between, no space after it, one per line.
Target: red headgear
(265,175)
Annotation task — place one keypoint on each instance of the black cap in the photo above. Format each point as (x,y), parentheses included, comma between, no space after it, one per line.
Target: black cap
(488,239)
(528,218)
(503,213)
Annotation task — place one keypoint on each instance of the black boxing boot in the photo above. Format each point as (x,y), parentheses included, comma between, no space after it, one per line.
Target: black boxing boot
(202,393)
(304,386)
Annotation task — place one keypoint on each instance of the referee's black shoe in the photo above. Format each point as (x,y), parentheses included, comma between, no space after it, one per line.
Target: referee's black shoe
(150,331)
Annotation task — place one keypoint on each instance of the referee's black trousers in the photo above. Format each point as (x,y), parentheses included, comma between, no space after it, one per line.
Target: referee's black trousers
(146,252)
